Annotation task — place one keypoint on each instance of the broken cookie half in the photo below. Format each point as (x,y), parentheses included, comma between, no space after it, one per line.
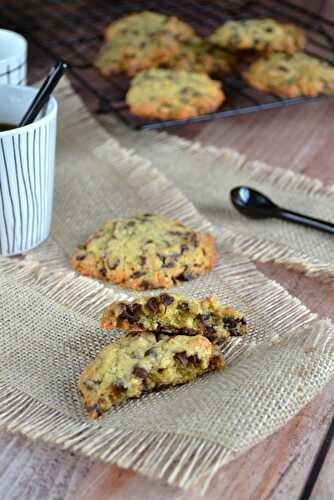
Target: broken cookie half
(174,314)
(140,363)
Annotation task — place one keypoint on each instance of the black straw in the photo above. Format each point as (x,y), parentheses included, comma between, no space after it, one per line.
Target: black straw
(44,93)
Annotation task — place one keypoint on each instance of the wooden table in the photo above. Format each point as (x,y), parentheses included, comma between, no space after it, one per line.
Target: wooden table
(296,462)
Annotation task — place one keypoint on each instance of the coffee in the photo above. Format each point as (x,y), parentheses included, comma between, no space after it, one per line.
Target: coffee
(6,126)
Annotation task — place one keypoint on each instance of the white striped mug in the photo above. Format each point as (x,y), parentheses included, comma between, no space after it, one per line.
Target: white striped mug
(13,58)
(27,157)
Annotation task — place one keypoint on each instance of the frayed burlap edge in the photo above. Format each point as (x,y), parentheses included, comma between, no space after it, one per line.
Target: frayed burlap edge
(258,248)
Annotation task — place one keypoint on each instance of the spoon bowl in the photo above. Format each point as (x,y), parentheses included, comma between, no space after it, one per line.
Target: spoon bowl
(253,204)
(256,205)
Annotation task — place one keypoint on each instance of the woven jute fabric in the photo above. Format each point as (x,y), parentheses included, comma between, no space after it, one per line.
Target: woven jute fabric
(206,175)
(49,322)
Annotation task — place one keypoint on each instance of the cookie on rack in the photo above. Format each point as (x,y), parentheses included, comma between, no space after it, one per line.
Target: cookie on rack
(171,94)
(198,56)
(262,35)
(139,363)
(139,41)
(291,75)
(174,314)
(147,251)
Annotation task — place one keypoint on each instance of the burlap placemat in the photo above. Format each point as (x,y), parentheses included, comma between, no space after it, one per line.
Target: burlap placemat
(49,329)
(206,175)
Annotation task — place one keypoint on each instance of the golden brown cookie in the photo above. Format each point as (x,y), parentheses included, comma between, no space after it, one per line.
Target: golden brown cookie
(140,41)
(174,314)
(147,251)
(171,94)
(263,35)
(198,56)
(139,363)
(291,75)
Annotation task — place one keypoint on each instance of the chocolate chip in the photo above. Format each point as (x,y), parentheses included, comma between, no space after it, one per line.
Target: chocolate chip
(182,358)
(194,240)
(203,317)
(209,331)
(194,360)
(131,312)
(188,331)
(136,274)
(186,276)
(118,388)
(145,284)
(142,260)
(80,257)
(232,325)
(103,271)
(153,304)
(149,241)
(161,257)
(149,351)
(183,306)
(134,309)
(184,248)
(140,372)
(112,264)
(168,264)
(166,299)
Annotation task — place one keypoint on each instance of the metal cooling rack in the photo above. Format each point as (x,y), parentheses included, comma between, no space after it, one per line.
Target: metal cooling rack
(72,30)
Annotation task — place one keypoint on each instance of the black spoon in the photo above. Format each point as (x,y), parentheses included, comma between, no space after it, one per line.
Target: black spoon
(258,206)
(44,93)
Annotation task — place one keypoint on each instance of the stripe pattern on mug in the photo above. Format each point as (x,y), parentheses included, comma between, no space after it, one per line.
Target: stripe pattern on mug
(26,186)
(14,72)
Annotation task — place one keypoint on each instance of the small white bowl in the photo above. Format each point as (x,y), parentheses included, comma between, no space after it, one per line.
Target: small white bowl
(26,171)
(13,58)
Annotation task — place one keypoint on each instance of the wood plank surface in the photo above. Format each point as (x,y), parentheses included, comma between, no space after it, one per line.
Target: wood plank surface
(299,138)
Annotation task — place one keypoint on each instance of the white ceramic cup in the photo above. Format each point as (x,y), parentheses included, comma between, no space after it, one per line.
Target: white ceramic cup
(26,171)
(13,58)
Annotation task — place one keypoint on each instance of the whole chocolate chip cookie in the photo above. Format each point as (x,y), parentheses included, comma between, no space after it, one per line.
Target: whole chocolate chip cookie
(139,363)
(174,314)
(291,75)
(262,35)
(140,41)
(171,94)
(147,251)
(198,56)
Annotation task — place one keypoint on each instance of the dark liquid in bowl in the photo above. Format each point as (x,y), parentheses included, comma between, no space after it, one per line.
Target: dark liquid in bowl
(6,126)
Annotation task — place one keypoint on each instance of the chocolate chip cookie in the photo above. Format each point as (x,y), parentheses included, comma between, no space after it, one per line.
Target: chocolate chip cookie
(198,56)
(291,75)
(147,251)
(174,314)
(171,94)
(140,363)
(262,35)
(140,41)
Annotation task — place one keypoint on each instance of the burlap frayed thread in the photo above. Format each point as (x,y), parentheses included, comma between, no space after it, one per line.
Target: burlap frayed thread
(207,173)
(49,327)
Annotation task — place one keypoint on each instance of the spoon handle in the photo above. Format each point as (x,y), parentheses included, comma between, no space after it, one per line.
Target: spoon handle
(44,92)
(291,216)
